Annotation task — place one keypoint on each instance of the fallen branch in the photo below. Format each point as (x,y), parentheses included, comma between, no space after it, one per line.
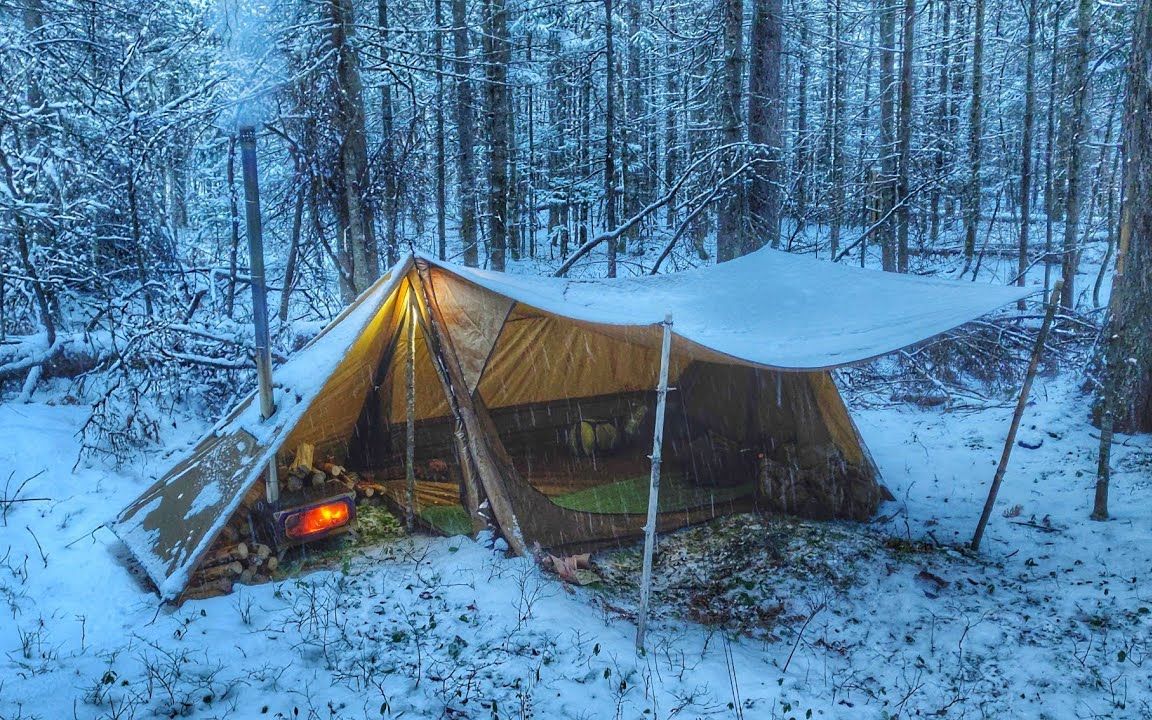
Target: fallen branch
(19,367)
(8,502)
(882,221)
(700,208)
(639,217)
(1037,526)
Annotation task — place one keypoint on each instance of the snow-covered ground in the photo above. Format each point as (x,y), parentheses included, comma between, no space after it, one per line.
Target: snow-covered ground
(1052,618)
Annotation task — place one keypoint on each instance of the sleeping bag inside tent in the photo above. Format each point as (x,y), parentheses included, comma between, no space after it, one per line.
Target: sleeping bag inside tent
(533,402)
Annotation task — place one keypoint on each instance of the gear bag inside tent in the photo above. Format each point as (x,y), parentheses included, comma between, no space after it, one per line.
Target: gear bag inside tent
(531,403)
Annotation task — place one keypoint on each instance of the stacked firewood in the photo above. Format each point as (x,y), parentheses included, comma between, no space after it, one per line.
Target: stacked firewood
(236,557)
(306,471)
(230,564)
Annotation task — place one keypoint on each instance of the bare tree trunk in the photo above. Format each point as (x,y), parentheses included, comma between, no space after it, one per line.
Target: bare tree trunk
(350,183)
(1128,382)
(1026,145)
(498,51)
(388,167)
(584,216)
(1049,149)
(975,138)
(1078,130)
(293,247)
(699,136)
(441,152)
(610,132)
(943,141)
(764,116)
(632,165)
(729,223)
(904,212)
(671,118)
(233,228)
(836,129)
(465,133)
(863,173)
(888,151)
(802,144)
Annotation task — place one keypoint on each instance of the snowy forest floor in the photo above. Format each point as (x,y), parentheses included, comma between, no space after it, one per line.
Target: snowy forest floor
(756,617)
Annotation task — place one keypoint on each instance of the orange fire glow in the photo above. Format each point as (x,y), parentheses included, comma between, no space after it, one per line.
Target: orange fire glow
(315,520)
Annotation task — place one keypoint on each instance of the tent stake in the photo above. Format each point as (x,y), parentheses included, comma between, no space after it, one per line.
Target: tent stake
(1025,391)
(654,486)
(410,444)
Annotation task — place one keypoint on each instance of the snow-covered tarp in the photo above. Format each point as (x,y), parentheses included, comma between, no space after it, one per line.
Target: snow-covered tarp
(770,308)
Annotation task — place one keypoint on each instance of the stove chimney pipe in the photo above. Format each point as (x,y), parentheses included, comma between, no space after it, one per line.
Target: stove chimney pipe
(259,290)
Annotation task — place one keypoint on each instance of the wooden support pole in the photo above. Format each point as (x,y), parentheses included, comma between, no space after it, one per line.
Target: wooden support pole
(410,437)
(1025,391)
(654,486)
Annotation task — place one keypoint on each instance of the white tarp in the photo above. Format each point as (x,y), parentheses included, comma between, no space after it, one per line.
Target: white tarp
(770,308)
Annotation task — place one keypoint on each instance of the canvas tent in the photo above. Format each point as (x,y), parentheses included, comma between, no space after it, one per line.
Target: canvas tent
(533,401)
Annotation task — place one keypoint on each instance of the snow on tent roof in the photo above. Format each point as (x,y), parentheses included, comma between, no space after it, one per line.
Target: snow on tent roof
(770,308)
(171,525)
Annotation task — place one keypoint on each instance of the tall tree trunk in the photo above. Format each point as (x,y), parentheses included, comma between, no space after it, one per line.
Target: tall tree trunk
(1129,359)
(496,111)
(836,128)
(465,133)
(802,144)
(1078,129)
(1026,145)
(233,228)
(353,210)
(671,116)
(729,224)
(389,185)
(1050,149)
(975,138)
(584,216)
(610,219)
(888,151)
(904,213)
(699,138)
(441,152)
(293,245)
(764,116)
(632,163)
(941,157)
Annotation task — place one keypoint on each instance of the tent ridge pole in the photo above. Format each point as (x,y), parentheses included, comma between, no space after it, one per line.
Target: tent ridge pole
(654,485)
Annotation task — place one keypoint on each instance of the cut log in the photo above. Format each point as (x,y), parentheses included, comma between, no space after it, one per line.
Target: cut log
(261,551)
(370,490)
(226,554)
(304,456)
(218,572)
(331,468)
(319,477)
(247,576)
(204,590)
(271,564)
